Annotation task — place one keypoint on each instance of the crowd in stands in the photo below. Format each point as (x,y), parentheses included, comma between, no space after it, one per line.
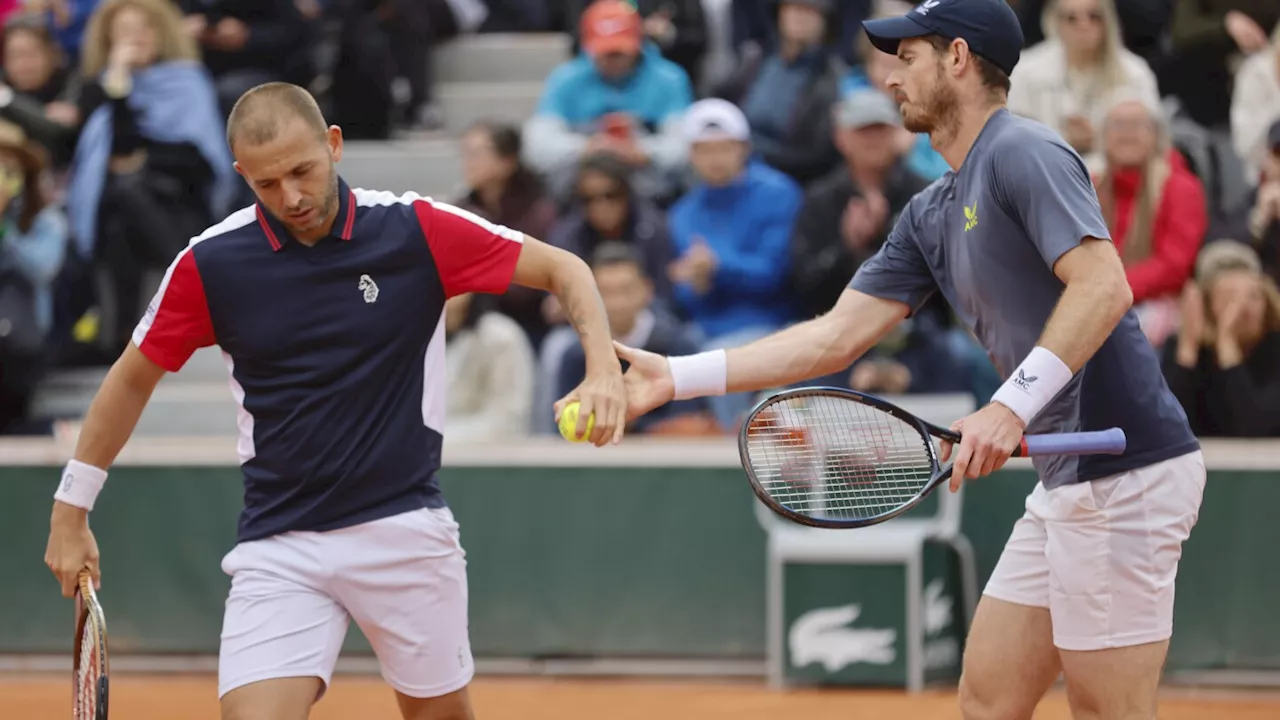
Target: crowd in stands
(724,166)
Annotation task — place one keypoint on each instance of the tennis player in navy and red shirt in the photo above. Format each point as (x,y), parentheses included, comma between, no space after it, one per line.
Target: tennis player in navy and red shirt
(327,304)
(1014,239)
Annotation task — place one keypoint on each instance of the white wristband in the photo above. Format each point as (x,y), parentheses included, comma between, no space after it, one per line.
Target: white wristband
(1034,383)
(706,373)
(80,484)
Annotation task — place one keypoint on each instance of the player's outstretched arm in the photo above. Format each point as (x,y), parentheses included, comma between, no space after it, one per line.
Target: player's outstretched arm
(109,422)
(568,277)
(824,345)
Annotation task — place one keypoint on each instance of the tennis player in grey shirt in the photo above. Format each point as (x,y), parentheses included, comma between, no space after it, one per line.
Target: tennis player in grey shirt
(1014,239)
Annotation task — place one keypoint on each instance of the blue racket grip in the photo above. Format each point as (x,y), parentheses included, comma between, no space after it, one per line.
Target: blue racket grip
(1099,442)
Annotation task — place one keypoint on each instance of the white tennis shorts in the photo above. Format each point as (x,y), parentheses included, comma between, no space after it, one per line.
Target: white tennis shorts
(403,578)
(1102,555)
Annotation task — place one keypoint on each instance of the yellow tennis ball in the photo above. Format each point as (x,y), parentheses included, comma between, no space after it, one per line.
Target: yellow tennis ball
(569,423)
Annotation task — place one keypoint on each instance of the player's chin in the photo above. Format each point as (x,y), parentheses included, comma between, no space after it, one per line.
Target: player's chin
(916,122)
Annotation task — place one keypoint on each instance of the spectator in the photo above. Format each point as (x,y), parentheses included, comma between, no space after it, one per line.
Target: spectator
(1070,80)
(1255,105)
(1144,25)
(68,19)
(491,370)
(151,168)
(1155,209)
(249,42)
(1206,36)
(607,208)
(502,190)
(1258,217)
(755,29)
(1224,364)
(677,27)
(33,243)
(847,215)
(635,321)
(621,96)
(383,44)
(732,233)
(37,92)
(787,95)
(873,74)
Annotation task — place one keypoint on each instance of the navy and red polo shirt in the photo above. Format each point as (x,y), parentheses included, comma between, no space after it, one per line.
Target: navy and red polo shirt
(335,351)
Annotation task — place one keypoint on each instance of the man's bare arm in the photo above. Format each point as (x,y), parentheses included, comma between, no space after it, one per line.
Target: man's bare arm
(1096,297)
(565,275)
(828,343)
(114,413)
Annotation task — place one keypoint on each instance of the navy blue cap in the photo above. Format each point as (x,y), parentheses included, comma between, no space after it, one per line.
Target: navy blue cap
(990,27)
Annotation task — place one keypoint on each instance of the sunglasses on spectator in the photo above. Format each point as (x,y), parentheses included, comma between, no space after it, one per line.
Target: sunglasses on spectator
(607,196)
(1076,18)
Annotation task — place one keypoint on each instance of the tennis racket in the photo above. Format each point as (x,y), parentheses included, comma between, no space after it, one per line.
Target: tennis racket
(834,458)
(89,665)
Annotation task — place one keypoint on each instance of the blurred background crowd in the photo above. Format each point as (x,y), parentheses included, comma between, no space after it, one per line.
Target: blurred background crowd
(724,166)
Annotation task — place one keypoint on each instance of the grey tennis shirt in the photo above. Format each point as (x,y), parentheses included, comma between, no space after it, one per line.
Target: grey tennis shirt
(988,236)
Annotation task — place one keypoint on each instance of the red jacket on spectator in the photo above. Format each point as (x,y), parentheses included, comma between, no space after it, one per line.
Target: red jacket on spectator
(1178,231)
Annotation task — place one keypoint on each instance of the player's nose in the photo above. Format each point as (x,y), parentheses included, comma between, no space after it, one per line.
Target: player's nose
(292,196)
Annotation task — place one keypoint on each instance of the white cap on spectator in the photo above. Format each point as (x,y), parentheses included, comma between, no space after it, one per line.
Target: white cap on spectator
(715,119)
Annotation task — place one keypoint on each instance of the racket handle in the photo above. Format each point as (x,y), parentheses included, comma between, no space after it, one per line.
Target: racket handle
(1099,442)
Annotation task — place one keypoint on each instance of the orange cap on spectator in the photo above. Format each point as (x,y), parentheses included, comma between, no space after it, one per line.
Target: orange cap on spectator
(610,26)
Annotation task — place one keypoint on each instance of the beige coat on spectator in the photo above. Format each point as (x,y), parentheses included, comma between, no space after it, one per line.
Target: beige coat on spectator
(1254,107)
(1046,91)
(491,375)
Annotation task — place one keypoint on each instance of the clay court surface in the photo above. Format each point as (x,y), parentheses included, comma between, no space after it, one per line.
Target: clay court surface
(138,697)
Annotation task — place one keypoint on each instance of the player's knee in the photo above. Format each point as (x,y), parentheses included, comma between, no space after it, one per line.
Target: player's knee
(988,701)
(275,699)
(454,706)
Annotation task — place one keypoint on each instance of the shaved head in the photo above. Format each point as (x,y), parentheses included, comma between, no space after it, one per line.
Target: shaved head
(260,114)
(287,154)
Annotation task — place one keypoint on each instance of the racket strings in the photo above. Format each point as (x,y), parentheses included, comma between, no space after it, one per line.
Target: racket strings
(87,674)
(836,458)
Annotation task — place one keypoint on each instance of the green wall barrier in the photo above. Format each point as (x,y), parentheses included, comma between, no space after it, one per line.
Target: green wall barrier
(580,560)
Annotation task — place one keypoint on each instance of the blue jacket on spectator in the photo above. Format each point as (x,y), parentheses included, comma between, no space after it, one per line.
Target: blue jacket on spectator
(748,225)
(36,255)
(923,160)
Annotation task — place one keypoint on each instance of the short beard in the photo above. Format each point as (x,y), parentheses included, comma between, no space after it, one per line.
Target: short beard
(937,114)
(330,199)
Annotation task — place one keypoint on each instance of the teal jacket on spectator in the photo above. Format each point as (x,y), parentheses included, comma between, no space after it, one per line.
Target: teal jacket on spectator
(36,255)
(576,97)
(747,224)
(577,94)
(923,159)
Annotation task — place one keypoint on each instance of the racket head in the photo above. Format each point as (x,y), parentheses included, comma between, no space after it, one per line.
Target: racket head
(835,458)
(90,663)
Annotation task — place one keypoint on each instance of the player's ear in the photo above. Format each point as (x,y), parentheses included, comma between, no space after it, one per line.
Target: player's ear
(959,55)
(240,170)
(333,136)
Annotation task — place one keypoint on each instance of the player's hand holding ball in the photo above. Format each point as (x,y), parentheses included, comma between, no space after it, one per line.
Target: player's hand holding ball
(988,438)
(595,411)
